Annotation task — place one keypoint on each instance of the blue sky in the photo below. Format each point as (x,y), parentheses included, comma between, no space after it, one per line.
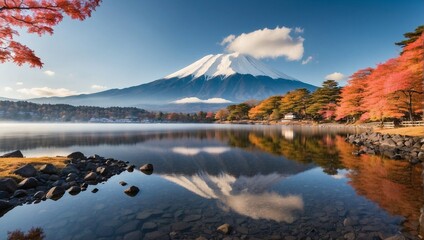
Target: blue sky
(131,42)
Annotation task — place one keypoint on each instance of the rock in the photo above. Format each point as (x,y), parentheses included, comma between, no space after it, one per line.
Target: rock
(26,171)
(55,193)
(421,155)
(74,190)
(156,235)
(201,238)
(14,154)
(147,168)
(180,226)
(4,195)
(242,230)
(8,185)
(349,222)
(349,236)
(132,191)
(54,177)
(19,193)
(135,235)
(122,183)
(76,155)
(192,218)
(28,183)
(130,168)
(102,171)
(388,143)
(91,176)
(95,190)
(71,177)
(149,227)
(5,206)
(69,169)
(48,169)
(144,215)
(127,227)
(396,237)
(224,228)
(39,195)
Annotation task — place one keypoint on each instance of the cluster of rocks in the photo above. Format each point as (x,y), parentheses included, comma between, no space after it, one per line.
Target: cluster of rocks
(49,182)
(392,146)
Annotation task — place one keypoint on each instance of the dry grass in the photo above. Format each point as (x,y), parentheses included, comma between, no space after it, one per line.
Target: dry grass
(8,165)
(408,131)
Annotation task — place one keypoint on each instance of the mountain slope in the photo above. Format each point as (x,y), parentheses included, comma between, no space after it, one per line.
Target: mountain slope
(232,77)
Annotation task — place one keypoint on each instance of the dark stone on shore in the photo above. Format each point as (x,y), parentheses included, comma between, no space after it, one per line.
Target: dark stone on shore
(28,183)
(76,155)
(48,169)
(95,190)
(132,191)
(147,169)
(39,195)
(14,154)
(5,206)
(69,169)
(122,183)
(26,171)
(394,146)
(4,195)
(130,168)
(91,176)
(224,228)
(102,171)
(20,193)
(8,185)
(74,190)
(55,193)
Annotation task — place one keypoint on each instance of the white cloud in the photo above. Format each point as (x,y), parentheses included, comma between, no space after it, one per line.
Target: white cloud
(46,92)
(194,151)
(98,87)
(267,43)
(336,76)
(298,30)
(49,73)
(198,100)
(307,60)
(19,83)
(228,39)
(8,89)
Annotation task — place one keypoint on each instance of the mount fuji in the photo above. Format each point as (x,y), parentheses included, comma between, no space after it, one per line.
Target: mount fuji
(207,84)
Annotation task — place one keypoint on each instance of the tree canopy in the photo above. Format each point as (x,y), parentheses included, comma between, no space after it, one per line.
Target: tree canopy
(37,17)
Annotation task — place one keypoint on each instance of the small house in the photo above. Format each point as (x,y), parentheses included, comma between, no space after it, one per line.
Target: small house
(290,116)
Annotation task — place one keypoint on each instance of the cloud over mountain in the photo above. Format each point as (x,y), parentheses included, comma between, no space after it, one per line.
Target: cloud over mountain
(267,43)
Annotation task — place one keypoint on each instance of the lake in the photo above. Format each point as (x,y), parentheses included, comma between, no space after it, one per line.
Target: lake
(267,182)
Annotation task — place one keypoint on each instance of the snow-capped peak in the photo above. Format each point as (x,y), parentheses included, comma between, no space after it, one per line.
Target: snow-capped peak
(227,65)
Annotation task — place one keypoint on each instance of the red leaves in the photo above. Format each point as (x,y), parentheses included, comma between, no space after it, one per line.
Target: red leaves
(37,17)
(392,89)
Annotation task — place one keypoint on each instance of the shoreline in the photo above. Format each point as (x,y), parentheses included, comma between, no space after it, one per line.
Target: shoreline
(32,180)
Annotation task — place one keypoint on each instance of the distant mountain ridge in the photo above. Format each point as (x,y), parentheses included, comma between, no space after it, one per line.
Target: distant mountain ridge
(232,78)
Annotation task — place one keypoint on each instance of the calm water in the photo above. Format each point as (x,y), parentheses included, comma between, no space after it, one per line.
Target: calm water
(266,181)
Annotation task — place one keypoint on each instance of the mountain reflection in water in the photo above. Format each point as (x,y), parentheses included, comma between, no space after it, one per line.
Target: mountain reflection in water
(248,196)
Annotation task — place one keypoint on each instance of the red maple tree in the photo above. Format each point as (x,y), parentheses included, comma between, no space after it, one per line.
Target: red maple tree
(351,104)
(37,16)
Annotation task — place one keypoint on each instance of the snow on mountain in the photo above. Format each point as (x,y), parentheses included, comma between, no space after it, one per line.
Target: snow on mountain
(227,65)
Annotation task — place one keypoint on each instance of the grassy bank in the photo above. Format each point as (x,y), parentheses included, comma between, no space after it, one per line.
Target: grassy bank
(407,131)
(8,165)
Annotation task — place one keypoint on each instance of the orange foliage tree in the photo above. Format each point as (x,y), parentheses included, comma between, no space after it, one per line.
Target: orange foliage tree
(353,95)
(393,89)
(37,16)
